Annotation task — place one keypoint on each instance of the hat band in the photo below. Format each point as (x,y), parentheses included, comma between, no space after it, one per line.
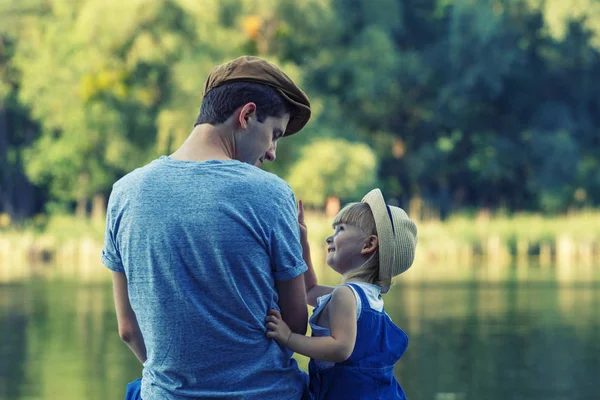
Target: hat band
(391,219)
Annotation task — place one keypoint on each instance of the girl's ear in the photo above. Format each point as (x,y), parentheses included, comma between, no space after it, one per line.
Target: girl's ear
(370,245)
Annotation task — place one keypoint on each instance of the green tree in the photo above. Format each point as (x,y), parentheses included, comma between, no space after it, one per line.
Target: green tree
(333,167)
(113,84)
(18,197)
(466,103)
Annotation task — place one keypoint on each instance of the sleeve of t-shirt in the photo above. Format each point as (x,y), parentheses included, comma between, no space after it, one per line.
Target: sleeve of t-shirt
(286,251)
(111,257)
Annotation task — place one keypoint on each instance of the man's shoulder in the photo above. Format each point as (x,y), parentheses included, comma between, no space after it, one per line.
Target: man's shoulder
(261,189)
(275,183)
(128,182)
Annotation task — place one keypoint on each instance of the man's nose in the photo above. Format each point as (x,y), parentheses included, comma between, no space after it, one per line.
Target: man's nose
(271,153)
(329,239)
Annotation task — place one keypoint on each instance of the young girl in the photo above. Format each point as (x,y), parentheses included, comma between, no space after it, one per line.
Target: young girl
(354,343)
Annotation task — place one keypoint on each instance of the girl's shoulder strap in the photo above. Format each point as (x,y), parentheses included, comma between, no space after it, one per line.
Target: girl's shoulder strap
(367,295)
(357,289)
(361,297)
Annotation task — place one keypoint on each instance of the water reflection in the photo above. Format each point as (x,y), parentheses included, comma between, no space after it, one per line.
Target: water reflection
(59,341)
(508,341)
(476,336)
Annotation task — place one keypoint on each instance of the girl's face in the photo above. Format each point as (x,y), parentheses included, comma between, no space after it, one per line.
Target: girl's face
(344,248)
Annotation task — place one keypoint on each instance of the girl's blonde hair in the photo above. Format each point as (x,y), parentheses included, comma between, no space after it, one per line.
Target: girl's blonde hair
(361,216)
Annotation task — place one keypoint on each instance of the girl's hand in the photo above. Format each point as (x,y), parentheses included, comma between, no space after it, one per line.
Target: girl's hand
(278,329)
(301,224)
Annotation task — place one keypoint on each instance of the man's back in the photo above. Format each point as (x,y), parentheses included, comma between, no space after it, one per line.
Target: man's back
(201,245)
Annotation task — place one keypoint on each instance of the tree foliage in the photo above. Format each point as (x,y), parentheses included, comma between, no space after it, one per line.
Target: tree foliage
(346,170)
(464,103)
(477,98)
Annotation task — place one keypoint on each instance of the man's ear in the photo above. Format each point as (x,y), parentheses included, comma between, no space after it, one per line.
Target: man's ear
(247,114)
(371,244)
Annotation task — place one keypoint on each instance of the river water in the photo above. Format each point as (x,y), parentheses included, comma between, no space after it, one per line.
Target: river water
(475,339)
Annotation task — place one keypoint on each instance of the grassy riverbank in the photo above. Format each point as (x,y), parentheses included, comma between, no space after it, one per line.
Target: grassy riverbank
(521,234)
(65,243)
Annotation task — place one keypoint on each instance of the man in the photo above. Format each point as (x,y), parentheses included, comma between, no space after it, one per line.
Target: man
(203,243)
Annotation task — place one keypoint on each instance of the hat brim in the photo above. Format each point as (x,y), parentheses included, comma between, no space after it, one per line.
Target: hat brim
(397,237)
(299,116)
(385,232)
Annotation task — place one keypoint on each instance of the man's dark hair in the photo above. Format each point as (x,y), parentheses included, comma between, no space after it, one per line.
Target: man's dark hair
(222,101)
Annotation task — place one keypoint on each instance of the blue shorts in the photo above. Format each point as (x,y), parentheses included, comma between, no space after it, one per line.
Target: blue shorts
(134,390)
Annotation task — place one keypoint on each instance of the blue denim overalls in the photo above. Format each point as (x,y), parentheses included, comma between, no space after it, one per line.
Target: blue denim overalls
(369,372)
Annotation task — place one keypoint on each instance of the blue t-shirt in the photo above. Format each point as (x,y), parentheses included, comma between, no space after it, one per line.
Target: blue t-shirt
(201,245)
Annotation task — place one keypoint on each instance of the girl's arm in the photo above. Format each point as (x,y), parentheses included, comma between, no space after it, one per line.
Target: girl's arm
(335,348)
(313,289)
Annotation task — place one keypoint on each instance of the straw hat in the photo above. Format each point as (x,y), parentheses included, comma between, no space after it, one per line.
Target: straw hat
(397,237)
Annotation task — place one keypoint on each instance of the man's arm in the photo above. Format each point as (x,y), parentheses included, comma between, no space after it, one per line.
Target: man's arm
(129,330)
(292,302)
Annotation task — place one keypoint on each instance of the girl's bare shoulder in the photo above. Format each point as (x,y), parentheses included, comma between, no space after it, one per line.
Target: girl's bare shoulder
(343,295)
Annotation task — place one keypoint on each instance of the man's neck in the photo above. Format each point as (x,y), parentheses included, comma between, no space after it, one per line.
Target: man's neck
(206,142)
